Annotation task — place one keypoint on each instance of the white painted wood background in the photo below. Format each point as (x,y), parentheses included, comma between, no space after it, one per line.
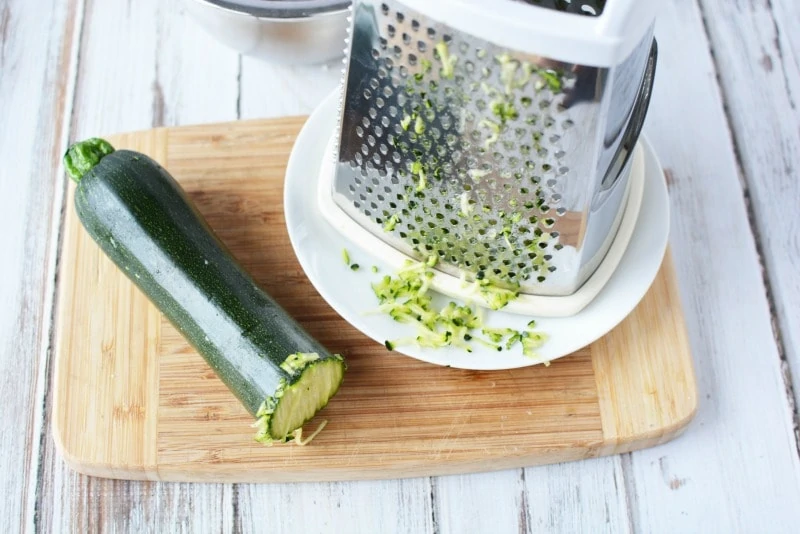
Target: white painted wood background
(724,120)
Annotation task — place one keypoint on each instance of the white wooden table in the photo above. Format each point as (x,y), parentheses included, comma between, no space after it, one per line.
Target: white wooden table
(726,124)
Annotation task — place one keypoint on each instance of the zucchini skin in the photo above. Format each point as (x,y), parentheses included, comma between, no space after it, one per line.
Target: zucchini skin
(146,224)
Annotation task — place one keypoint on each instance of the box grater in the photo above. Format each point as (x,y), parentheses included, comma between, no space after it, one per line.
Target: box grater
(497,135)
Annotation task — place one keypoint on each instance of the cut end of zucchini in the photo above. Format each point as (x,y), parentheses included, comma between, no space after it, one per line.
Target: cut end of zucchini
(84,155)
(314,382)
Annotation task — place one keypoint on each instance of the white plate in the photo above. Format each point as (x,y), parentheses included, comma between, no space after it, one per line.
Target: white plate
(319,246)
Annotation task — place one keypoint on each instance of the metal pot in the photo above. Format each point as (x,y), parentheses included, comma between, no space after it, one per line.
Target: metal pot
(281,31)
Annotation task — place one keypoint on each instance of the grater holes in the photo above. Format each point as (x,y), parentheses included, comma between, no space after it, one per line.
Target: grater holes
(563,170)
(561,211)
(383,73)
(406,38)
(384,9)
(412,59)
(559,154)
(551,182)
(400,17)
(422,46)
(431,33)
(383,149)
(555,199)
(375,53)
(367,94)
(383,43)
(567,124)
(398,52)
(359,131)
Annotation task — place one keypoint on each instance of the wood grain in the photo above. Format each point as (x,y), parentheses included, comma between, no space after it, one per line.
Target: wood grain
(659,391)
(35,83)
(757,54)
(469,421)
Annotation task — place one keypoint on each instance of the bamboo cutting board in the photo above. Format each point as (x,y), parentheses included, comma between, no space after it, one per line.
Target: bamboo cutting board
(133,400)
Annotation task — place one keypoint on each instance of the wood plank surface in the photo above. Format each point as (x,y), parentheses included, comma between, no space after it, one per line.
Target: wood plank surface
(742,448)
(695,484)
(757,53)
(35,86)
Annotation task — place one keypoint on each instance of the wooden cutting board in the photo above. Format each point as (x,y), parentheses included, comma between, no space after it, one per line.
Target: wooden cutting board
(133,400)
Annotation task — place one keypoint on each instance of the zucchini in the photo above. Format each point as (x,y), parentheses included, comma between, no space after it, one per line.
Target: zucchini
(146,224)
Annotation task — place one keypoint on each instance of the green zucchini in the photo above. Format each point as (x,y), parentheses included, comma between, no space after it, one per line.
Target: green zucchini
(144,221)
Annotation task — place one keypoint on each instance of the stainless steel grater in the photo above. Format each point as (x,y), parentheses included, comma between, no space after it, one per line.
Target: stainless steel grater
(494,135)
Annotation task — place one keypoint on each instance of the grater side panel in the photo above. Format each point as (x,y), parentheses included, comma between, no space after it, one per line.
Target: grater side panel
(483,156)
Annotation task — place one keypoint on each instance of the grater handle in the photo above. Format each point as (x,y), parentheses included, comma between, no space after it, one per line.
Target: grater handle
(631,135)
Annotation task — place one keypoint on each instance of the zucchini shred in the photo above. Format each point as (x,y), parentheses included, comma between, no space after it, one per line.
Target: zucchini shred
(405,298)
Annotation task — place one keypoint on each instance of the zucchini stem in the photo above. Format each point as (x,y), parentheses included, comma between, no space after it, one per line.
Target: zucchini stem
(83,156)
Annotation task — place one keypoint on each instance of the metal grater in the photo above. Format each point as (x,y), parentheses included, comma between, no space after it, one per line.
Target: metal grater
(509,165)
